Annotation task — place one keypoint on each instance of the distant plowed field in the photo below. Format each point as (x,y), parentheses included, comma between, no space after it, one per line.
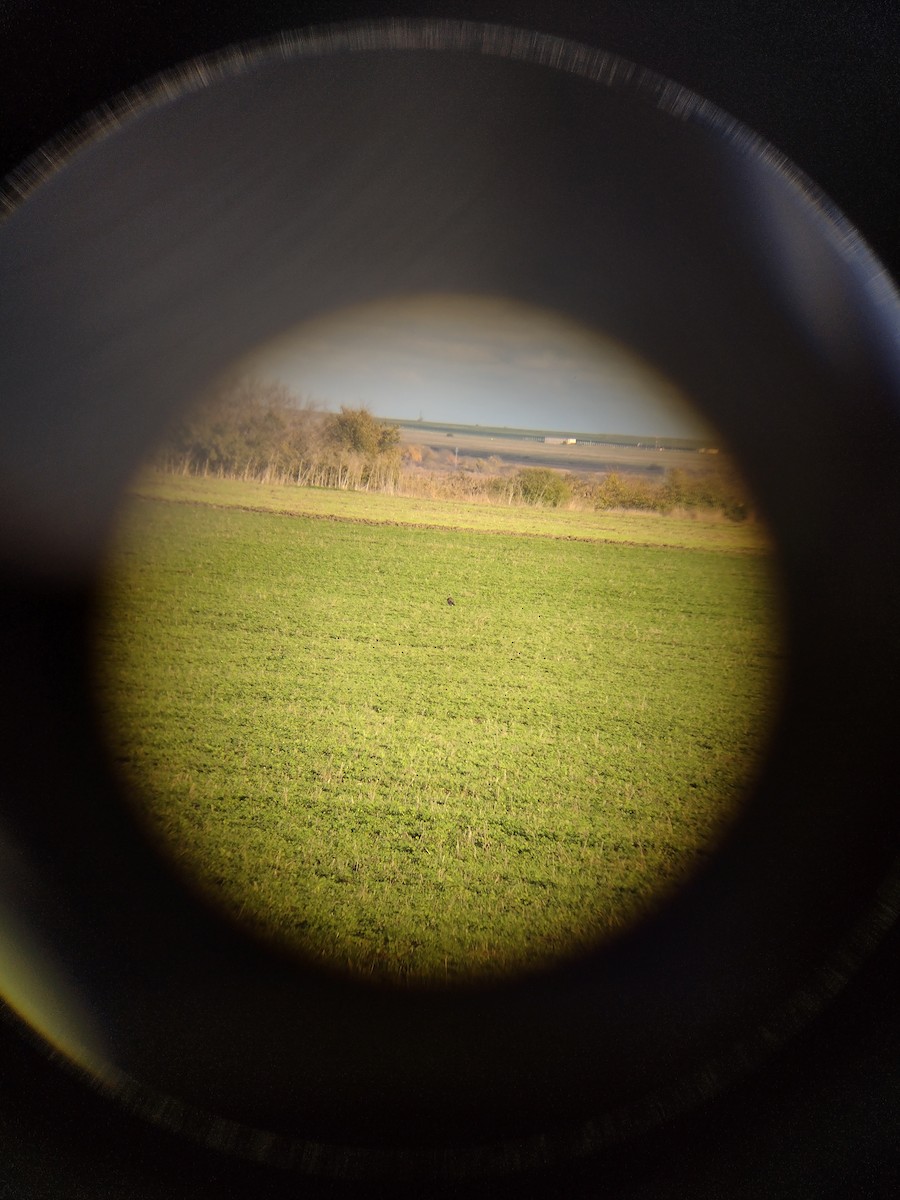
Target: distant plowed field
(521,452)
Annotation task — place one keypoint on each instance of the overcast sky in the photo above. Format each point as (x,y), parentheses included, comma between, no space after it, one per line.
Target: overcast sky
(473,360)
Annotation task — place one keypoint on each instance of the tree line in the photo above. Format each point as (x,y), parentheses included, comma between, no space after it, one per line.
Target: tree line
(248,429)
(712,490)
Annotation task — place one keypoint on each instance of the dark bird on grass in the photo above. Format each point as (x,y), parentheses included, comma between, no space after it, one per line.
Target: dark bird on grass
(450,600)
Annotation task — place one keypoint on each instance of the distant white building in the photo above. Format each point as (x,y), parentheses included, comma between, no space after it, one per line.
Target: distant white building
(559,441)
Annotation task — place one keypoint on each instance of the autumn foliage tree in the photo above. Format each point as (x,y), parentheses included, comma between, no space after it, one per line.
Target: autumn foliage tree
(355,429)
(365,452)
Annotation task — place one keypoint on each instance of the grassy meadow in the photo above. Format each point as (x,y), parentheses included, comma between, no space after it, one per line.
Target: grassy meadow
(420,791)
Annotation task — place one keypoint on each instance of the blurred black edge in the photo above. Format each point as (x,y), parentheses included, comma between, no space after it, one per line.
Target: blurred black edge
(819,80)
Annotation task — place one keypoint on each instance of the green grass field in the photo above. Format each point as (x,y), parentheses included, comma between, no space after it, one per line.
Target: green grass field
(422,791)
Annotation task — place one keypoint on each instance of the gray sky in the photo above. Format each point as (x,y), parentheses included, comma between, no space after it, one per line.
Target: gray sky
(475,360)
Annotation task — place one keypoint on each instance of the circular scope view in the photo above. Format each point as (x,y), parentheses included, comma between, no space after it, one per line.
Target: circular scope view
(440,641)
